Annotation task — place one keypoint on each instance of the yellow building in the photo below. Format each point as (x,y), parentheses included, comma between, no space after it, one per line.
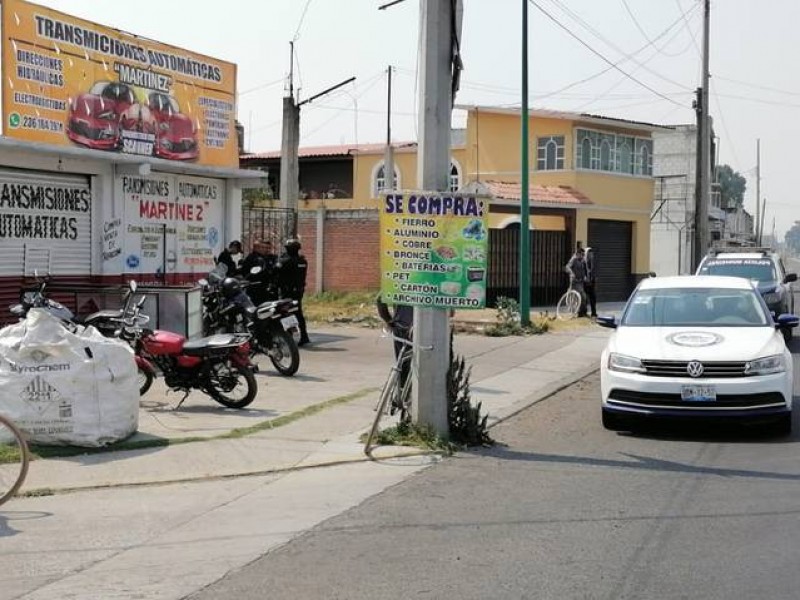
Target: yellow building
(591,184)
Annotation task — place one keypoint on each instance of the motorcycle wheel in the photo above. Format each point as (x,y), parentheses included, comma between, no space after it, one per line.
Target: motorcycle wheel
(284,354)
(145,378)
(232,386)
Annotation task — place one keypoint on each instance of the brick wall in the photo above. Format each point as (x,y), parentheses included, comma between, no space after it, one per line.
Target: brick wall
(351,247)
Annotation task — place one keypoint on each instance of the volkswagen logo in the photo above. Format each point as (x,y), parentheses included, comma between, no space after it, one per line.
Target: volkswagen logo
(694,368)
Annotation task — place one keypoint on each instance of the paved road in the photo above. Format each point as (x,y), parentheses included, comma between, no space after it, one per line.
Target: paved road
(562,509)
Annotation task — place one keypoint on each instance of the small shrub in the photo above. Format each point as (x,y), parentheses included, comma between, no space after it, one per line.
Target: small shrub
(509,321)
(467,426)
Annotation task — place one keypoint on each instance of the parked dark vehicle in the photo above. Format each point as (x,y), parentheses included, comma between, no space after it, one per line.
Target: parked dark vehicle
(763,267)
(218,365)
(272,325)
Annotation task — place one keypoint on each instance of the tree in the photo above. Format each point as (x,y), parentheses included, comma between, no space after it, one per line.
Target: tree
(793,238)
(732,185)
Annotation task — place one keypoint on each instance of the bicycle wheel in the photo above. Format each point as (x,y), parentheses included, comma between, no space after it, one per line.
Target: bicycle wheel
(568,305)
(14,459)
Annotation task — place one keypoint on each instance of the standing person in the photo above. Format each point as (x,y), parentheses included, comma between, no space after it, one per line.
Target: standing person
(226,257)
(254,259)
(576,267)
(591,279)
(291,270)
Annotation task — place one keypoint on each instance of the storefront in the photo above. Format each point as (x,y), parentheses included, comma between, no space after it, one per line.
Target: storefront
(118,159)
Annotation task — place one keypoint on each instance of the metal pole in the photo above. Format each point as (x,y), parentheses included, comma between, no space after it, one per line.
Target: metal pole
(388,159)
(431,325)
(758,188)
(705,146)
(524,202)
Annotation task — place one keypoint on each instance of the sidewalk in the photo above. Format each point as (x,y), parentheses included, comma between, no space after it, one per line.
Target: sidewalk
(321,412)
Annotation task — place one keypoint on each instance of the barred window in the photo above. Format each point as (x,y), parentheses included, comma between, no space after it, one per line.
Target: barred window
(599,151)
(550,155)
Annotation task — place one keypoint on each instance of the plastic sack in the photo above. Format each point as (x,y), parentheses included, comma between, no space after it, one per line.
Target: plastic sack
(65,388)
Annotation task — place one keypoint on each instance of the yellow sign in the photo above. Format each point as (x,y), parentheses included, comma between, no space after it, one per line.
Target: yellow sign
(68,81)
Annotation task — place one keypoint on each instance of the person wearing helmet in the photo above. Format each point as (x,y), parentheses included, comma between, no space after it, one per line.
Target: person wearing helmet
(291,270)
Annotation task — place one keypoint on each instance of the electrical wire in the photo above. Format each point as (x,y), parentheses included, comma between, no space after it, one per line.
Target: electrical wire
(262,86)
(601,56)
(756,86)
(609,43)
(300,23)
(647,37)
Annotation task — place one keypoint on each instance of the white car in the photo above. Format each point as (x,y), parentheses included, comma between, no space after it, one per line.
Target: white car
(697,347)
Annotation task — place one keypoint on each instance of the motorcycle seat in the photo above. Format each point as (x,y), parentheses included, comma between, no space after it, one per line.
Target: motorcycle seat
(275,306)
(101,315)
(212,344)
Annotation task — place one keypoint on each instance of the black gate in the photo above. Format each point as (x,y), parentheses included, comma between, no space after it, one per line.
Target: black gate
(613,246)
(268,224)
(550,251)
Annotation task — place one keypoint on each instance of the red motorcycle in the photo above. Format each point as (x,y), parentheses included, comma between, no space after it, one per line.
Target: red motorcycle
(218,365)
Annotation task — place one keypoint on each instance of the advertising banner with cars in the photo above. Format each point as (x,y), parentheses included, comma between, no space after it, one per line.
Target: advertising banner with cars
(68,81)
(172,225)
(434,249)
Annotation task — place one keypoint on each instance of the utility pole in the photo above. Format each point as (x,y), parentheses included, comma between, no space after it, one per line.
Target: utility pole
(524,201)
(290,144)
(431,325)
(758,189)
(290,141)
(704,166)
(761,224)
(388,159)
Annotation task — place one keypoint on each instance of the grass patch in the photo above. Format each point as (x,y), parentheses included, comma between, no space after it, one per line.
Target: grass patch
(408,434)
(342,307)
(39,451)
(9,453)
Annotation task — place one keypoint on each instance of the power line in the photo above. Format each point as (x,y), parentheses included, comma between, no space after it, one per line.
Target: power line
(756,86)
(300,23)
(262,86)
(609,43)
(647,37)
(601,56)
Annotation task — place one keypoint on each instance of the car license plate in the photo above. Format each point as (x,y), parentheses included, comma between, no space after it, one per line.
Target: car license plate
(289,322)
(699,393)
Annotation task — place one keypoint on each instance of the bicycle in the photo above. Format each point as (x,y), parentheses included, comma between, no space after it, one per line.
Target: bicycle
(394,397)
(14,459)
(569,304)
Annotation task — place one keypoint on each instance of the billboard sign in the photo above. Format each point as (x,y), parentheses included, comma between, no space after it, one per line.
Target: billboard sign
(434,249)
(68,81)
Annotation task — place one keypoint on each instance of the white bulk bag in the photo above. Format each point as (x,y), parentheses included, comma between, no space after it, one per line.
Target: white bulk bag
(67,388)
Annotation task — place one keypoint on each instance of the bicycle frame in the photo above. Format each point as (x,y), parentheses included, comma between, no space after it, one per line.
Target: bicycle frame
(391,388)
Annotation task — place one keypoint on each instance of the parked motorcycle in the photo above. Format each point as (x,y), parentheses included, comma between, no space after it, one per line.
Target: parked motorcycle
(273,326)
(218,365)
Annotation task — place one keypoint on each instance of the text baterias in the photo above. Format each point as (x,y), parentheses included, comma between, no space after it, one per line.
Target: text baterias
(170,211)
(446,205)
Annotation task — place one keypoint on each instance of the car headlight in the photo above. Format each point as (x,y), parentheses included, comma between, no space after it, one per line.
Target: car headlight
(765,366)
(772,297)
(626,364)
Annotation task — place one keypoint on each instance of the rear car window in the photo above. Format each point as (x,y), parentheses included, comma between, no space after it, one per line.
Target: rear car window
(755,269)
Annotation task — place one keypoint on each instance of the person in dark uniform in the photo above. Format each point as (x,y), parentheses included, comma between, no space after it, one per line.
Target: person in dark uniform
(399,322)
(291,271)
(226,257)
(591,279)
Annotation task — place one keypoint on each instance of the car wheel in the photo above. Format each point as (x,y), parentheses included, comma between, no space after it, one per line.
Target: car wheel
(782,426)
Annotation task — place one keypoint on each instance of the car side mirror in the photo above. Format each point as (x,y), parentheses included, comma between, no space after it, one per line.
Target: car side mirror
(787,321)
(608,321)
(790,277)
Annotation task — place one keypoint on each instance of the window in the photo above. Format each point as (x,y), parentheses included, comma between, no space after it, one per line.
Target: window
(550,155)
(598,151)
(454,180)
(379,180)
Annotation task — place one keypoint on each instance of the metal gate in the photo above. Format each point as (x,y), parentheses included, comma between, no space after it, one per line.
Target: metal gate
(612,244)
(268,224)
(549,253)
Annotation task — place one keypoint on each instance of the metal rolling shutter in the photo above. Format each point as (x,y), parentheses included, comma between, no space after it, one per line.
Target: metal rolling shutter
(612,242)
(21,254)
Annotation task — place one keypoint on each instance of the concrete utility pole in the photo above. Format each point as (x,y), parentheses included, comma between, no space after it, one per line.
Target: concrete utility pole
(431,325)
(701,237)
(290,143)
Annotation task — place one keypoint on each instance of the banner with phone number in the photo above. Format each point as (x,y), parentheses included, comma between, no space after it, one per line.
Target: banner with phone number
(434,249)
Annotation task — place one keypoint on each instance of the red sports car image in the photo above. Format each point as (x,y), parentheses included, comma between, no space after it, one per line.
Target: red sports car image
(94,117)
(176,135)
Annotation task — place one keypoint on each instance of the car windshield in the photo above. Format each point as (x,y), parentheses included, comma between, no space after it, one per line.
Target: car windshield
(754,269)
(687,307)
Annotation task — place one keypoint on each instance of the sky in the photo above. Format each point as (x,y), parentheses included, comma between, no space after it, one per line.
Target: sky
(655,45)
